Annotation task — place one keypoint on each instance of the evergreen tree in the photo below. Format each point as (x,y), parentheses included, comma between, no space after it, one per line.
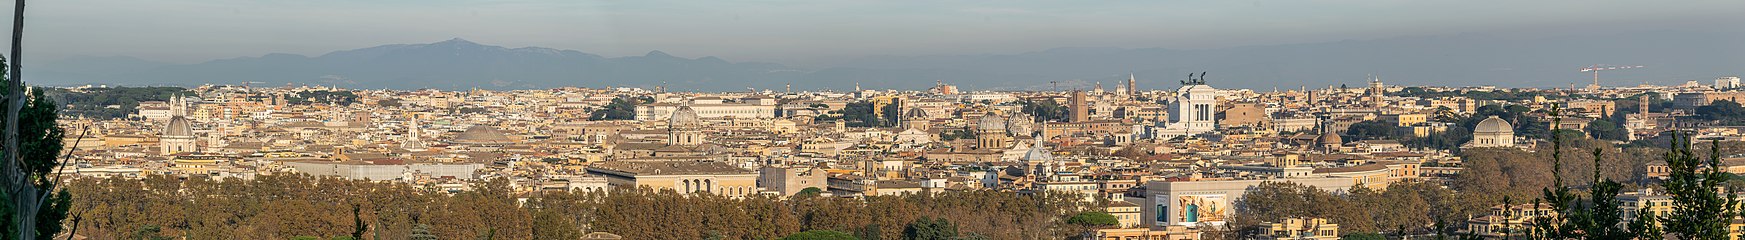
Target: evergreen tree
(35,208)
(930,229)
(1700,210)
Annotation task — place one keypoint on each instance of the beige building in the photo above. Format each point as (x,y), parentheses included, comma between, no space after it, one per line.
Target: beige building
(682,176)
(1301,229)
(788,181)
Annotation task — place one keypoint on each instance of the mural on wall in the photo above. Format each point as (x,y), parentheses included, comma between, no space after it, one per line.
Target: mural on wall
(1201,208)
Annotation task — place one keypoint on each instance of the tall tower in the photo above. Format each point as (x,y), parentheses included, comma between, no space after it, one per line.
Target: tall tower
(412,141)
(1080,107)
(1132,85)
(685,128)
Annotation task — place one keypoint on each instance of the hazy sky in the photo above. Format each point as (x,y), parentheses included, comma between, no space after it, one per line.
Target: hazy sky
(187,31)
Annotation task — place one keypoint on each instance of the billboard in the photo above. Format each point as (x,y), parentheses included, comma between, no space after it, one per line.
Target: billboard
(1193,209)
(1161,209)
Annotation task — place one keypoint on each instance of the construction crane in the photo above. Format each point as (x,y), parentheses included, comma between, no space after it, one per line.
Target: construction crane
(1596,68)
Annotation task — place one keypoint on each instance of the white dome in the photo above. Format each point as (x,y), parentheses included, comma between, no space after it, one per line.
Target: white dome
(1493,125)
(685,117)
(992,122)
(179,127)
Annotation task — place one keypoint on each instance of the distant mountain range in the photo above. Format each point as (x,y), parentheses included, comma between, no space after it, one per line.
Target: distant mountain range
(1459,60)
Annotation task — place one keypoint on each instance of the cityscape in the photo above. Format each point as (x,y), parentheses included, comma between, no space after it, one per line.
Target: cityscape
(462,140)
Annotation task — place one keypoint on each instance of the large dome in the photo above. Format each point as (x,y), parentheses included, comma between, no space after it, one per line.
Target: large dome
(481,134)
(1493,125)
(992,122)
(1329,138)
(179,127)
(685,117)
(915,113)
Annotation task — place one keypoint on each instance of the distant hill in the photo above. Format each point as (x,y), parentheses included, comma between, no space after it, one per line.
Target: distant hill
(1457,60)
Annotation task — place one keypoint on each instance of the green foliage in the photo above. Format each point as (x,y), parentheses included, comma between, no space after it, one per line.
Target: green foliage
(1046,110)
(955,134)
(1093,219)
(95,102)
(421,232)
(820,235)
(1598,218)
(148,233)
(1700,210)
(930,229)
(282,205)
(1373,130)
(1722,111)
(809,192)
(1605,129)
(1415,205)
(621,108)
(39,147)
(859,114)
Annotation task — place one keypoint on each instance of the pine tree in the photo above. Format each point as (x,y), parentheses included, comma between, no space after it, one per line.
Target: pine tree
(1700,211)
(1598,218)
(30,192)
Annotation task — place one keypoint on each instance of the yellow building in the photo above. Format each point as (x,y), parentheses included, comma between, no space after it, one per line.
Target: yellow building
(684,176)
(1161,233)
(1507,220)
(1301,228)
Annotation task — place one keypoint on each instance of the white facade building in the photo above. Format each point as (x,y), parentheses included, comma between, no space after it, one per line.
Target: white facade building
(1191,112)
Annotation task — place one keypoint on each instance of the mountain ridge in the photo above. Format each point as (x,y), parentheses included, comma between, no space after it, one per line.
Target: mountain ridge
(1448,60)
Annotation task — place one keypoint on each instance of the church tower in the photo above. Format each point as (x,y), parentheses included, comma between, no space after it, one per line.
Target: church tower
(1080,107)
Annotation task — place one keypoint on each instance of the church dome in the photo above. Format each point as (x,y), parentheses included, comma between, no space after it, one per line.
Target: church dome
(1329,138)
(991,122)
(1038,153)
(179,127)
(1493,125)
(685,117)
(481,134)
(915,113)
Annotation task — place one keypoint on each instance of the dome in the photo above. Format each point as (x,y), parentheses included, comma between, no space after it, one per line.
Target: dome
(915,113)
(1493,125)
(1038,153)
(685,117)
(991,122)
(481,134)
(1329,138)
(179,127)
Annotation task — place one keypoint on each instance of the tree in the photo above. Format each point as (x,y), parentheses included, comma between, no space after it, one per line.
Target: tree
(1722,111)
(1093,219)
(1699,210)
(621,108)
(1373,130)
(1605,129)
(930,229)
(33,147)
(421,232)
(1598,218)
(1046,110)
(809,192)
(820,235)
